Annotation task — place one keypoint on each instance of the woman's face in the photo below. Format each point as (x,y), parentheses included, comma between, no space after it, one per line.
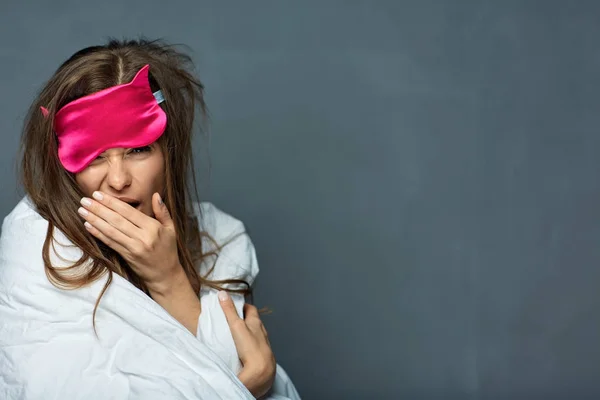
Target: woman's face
(133,175)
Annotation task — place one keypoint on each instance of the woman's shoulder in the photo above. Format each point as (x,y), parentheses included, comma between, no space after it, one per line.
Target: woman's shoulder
(24,232)
(23,211)
(24,220)
(220,225)
(227,236)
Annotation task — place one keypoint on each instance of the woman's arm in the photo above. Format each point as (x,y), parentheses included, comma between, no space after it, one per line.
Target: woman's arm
(178,298)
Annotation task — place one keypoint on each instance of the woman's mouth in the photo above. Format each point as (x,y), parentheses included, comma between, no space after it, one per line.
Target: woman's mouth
(133,203)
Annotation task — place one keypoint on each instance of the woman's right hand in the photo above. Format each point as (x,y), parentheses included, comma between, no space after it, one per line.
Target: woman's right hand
(253,347)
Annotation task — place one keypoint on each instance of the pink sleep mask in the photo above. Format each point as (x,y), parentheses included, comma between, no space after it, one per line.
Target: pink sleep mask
(126,115)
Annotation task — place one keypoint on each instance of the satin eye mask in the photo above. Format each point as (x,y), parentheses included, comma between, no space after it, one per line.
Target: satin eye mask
(126,115)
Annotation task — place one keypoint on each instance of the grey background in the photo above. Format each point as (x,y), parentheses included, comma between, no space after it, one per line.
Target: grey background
(419,178)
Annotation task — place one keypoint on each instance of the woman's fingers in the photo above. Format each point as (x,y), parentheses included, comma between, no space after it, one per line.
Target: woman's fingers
(106,240)
(250,311)
(107,232)
(228,307)
(110,216)
(242,337)
(254,322)
(254,350)
(129,213)
(244,330)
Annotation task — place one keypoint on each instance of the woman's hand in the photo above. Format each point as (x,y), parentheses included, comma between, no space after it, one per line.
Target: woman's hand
(149,245)
(253,347)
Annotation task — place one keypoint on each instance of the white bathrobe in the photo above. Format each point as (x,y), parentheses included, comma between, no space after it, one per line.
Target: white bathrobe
(48,349)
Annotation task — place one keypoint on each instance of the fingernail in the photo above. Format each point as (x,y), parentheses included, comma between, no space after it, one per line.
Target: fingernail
(86,202)
(223,295)
(82,211)
(87,224)
(97,195)
(160,199)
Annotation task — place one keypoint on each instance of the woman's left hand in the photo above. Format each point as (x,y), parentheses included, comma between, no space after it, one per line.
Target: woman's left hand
(252,344)
(149,245)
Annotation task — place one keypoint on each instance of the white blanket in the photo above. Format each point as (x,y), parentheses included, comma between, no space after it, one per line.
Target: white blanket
(48,349)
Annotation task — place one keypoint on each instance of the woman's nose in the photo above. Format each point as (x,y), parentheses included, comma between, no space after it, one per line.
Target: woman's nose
(118,176)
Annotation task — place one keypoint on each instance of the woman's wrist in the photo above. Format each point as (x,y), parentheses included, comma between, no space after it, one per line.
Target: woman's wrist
(250,381)
(166,287)
(253,379)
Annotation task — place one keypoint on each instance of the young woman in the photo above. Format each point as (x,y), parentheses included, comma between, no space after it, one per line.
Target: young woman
(114,281)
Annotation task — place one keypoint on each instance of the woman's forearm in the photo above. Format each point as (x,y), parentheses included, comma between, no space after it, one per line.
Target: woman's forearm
(180,300)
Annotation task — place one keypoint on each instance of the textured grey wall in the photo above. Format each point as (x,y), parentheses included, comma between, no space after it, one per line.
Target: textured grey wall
(419,178)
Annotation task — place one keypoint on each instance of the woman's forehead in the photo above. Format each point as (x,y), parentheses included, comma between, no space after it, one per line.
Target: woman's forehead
(114,151)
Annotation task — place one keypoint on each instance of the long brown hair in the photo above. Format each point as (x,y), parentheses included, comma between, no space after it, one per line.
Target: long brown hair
(54,191)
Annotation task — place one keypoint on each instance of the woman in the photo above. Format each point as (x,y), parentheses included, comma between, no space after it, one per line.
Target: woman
(113,282)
